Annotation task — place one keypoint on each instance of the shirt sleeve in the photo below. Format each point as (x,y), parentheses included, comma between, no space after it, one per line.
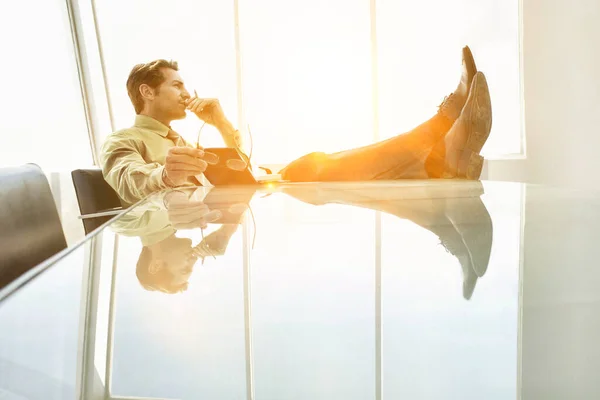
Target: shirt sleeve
(127,172)
(233,139)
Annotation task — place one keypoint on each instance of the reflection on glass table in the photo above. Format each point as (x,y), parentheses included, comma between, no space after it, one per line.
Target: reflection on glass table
(357,291)
(277,317)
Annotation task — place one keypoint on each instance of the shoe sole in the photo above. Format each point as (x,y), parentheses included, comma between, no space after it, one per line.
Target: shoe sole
(478,116)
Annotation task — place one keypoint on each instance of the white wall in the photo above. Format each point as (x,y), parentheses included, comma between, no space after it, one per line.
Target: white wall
(561,43)
(561,73)
(562,90)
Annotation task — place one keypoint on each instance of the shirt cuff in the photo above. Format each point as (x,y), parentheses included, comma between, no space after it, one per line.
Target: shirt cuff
(159,179)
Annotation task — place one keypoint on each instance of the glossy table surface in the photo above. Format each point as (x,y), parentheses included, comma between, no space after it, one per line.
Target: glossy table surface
(388,290)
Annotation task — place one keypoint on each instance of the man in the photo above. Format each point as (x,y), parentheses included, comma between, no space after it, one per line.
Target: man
(150,156)
(167,261)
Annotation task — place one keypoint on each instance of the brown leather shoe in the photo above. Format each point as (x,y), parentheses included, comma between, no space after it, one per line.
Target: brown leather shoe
(448,113)
(464,141)
(453,104)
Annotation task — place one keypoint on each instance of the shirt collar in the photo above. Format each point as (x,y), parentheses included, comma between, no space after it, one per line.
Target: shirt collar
(146,122)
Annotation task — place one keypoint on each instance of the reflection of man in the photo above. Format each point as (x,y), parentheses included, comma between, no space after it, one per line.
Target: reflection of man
(166,261)
(166,266)
(458,217)
(150,156)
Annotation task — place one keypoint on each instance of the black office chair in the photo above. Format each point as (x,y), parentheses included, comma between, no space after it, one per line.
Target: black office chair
(94,195)
(30,227)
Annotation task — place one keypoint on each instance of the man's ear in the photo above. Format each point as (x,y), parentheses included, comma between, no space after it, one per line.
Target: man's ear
(156,266)
(147,92)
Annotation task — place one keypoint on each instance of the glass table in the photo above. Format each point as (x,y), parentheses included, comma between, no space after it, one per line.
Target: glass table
(386,290)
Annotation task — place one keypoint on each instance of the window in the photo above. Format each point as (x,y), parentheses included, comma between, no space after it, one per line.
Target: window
(307,70)
(199,34)
(306,66)
(419,62)
(43,119)
(307,76)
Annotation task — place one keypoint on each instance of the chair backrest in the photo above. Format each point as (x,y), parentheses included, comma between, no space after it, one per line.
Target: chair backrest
(30,227)
(94,195)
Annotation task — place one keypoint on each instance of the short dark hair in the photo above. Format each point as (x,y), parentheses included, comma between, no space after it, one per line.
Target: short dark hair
(161,281)
(149,74)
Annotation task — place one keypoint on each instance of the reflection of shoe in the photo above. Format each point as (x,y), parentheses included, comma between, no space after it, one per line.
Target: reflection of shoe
(471,219)
(455,245)
(471,238)
(464,141)
(452,105)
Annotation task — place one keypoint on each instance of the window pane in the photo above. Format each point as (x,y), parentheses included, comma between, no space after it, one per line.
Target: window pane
(188,345)
(442,337)
(307,76)
(313,294)
(43,119)
(196,33)
(419,62)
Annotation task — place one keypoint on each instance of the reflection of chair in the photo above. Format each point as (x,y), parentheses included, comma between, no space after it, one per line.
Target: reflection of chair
(94,195)
(30,227)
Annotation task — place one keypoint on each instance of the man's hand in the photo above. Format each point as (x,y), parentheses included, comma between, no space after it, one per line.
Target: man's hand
(218,240)
(184,213)
(208,110)
(183,162)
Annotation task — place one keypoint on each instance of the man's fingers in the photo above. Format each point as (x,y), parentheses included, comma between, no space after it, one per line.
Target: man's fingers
(211,158)
(185,159)
(190,215)
(187,215)
(185,167)
(187,207)
(202,104)
(194,220)
(213,216)
(193,107)
(193,103)
(205,104)
(187,151)
(197,223)
(196,105)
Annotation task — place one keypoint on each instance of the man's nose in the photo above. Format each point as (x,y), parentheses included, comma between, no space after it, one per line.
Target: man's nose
(185,95)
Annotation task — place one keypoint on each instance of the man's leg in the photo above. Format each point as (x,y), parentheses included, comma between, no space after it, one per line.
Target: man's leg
(406,156)
(402,156)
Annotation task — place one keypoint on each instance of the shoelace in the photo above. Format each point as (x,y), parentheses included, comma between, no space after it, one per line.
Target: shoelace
(447,102)
(449,247)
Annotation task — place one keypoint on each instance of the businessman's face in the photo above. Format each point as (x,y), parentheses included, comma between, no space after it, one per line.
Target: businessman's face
(170,96)
(178,261)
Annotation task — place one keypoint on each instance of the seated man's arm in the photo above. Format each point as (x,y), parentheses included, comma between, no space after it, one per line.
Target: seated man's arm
(127,172)
(232,138)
